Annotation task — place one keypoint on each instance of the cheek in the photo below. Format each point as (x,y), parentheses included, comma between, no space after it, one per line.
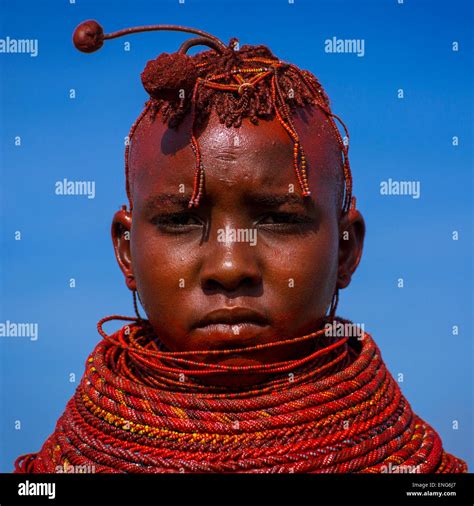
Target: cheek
(160,269)
(307,274)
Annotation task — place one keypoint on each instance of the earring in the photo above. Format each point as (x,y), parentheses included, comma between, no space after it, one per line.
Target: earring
(135,304)
(333,306)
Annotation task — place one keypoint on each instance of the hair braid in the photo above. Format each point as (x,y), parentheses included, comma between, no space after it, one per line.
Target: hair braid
(249,82)
(246,83)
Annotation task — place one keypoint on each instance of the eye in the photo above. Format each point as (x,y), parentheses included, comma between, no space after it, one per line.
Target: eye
(285,219)
(176,222)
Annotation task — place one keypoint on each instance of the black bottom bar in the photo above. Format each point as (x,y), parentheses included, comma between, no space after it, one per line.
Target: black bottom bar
(236,489)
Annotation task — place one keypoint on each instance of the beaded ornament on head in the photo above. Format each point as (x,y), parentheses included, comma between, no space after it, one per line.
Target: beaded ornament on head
(247,82)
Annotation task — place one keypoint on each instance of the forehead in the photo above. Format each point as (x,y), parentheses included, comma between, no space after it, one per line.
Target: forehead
(235,159)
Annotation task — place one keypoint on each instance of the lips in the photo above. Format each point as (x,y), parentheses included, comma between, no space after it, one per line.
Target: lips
(231,328)
(232,316)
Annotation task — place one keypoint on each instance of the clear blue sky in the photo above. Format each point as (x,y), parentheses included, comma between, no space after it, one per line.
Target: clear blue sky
(407,46)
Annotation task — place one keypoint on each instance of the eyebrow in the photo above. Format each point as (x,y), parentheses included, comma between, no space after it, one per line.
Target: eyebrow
(259,199)
(164,199)
(275,200)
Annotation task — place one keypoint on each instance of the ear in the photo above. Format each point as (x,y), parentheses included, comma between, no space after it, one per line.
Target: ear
(351,241)
(121,232)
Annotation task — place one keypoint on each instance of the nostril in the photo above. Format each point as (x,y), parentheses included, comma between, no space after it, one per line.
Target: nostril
(229,286)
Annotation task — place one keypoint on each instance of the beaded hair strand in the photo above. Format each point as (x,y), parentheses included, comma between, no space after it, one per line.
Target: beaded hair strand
(236,83)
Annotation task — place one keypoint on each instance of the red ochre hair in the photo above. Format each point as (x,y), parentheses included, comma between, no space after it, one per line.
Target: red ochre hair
(237,83)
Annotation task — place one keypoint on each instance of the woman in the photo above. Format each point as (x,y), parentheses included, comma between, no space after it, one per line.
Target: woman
(241,230)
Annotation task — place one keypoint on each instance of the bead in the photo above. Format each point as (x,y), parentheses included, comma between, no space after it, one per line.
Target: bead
(88,36)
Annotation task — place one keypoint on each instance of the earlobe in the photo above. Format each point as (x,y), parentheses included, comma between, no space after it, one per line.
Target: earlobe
(121,231)
(352,233)
(343,280)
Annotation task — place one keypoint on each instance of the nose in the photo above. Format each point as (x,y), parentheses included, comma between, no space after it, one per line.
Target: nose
(231,266)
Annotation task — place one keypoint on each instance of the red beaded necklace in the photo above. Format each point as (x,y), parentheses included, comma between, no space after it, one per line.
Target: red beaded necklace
(336,410)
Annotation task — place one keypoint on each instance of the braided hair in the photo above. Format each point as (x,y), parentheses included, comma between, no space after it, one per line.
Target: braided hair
(249,82)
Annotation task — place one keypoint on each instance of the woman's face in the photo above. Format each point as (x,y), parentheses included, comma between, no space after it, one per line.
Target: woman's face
(255,262)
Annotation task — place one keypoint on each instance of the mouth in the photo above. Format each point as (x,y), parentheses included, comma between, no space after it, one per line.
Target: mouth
(235,328)
(238,334)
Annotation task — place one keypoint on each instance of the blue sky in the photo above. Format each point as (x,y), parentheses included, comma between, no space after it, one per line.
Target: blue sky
(407,46)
